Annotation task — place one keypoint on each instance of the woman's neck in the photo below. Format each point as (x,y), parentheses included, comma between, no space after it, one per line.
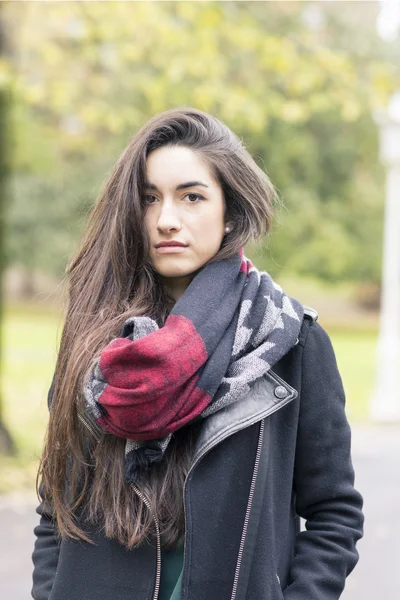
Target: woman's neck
(176,286)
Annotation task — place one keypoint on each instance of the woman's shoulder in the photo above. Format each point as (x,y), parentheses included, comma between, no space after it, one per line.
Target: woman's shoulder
(318,352)
(314,337)
(310,313)
(309,319)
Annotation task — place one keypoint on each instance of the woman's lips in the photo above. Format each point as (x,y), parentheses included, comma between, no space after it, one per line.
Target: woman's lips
(171,249)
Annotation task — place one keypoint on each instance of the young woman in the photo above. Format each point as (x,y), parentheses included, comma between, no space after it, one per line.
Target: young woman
(196,410)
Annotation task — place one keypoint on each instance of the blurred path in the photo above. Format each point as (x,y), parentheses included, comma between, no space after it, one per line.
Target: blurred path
(376,458)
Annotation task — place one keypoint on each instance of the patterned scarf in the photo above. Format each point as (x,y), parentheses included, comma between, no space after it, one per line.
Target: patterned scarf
(231,325)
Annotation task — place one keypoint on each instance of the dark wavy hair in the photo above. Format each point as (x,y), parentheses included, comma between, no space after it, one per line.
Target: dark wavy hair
(109,279)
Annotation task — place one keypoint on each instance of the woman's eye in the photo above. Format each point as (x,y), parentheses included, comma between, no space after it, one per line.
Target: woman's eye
(148,199)
(195,196)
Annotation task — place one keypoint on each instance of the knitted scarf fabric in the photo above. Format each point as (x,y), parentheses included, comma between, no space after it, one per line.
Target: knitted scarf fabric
(231,325)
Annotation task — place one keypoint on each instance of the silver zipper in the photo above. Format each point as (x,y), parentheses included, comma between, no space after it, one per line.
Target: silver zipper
(248,510)
(158,570)
(90,428)
(280,587)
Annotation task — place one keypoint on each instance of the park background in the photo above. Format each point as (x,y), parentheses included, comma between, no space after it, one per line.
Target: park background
(298,82)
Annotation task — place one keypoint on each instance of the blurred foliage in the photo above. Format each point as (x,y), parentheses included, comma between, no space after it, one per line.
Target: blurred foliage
(297,81)
(6,441)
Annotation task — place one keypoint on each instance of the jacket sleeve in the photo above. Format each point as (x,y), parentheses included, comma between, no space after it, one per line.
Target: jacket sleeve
(46,548)
(325,553)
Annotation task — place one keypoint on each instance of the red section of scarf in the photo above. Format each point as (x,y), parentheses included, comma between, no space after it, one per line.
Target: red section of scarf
(151,382)
(246,264)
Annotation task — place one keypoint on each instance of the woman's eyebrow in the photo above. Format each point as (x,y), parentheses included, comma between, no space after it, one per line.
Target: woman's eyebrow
(181,186)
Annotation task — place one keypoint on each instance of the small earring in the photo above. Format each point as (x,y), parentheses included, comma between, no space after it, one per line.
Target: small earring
(227,229)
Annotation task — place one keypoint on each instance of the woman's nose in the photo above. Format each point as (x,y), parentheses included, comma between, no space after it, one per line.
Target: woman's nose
(168,221)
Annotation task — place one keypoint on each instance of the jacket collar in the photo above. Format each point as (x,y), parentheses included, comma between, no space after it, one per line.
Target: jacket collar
(267,395)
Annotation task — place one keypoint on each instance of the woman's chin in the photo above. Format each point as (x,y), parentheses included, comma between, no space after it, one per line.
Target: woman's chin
(174,273)
(176,268)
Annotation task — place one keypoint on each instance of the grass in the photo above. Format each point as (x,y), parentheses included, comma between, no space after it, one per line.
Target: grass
(29,336)
(355,355)
(29,342)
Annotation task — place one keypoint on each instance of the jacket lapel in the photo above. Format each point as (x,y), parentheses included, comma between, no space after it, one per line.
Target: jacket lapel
(267,395)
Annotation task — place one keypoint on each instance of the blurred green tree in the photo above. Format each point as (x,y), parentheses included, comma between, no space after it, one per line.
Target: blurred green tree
(6,442)
(296,81)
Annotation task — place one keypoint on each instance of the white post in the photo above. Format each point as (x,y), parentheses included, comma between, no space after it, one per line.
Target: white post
(385,401)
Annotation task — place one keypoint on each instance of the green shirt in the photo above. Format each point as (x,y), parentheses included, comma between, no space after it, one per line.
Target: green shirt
(171,574)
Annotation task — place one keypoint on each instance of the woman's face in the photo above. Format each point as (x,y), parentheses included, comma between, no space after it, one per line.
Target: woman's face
(185,204)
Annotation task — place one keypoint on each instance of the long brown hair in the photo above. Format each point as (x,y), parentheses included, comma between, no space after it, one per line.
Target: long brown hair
(109,279)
